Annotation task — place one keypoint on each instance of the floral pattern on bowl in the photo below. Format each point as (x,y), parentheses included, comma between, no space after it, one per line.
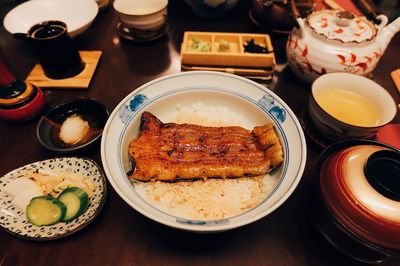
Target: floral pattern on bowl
(130,109)
(268,102)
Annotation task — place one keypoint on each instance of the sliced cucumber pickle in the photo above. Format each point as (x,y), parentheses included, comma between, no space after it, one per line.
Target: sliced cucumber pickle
(45,210)
(76,200)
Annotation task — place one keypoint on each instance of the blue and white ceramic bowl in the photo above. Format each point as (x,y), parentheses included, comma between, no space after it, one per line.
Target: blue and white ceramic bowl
(168,97)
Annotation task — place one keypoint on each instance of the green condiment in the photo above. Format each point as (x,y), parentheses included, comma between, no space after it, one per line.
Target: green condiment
(199,46)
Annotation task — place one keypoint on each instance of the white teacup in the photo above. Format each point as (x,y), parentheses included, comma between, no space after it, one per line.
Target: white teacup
(143,18)
(354,107)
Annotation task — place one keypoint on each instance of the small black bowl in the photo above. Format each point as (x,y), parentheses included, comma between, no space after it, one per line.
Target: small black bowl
(48,128)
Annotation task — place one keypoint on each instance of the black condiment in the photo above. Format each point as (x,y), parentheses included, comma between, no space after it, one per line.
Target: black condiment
(252,47)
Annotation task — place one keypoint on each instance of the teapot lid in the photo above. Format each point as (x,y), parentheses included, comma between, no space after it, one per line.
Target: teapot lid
(343,26)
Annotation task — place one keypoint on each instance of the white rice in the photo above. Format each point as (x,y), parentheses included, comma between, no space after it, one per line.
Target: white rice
(211,199)
(200,114)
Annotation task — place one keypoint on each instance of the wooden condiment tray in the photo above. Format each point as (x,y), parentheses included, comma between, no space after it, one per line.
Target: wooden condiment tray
(226,49)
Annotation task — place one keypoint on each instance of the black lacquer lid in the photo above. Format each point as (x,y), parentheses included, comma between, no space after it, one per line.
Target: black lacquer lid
(382,171)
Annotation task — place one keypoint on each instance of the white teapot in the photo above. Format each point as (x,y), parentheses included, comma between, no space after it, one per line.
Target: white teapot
(337,41)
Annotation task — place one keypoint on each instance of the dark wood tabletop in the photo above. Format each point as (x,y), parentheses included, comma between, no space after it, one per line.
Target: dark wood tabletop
(122,236)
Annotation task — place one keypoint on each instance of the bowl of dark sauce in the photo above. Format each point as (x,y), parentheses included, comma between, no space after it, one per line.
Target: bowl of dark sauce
(72,125)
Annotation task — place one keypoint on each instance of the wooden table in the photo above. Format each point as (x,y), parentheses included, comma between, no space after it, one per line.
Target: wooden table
(122,236)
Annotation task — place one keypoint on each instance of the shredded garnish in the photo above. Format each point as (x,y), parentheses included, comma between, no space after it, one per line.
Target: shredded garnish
(53,182)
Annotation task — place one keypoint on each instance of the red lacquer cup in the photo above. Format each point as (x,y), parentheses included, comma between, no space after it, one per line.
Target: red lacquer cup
(27,105)
(357,201)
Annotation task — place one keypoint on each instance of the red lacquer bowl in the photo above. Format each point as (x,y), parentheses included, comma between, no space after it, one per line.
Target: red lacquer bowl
(357,204)
(27,107)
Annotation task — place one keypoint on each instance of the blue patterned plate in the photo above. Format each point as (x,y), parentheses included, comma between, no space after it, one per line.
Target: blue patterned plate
(224,97)
(14,221)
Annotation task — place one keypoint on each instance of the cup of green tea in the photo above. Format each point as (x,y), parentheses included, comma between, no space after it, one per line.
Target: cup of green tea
(348,106)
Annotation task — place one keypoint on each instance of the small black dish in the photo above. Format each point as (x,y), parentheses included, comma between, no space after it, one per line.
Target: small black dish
(129,34)
(91,111)
(314,134)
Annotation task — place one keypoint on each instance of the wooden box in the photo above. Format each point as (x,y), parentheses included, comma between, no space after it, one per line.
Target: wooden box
(227,49)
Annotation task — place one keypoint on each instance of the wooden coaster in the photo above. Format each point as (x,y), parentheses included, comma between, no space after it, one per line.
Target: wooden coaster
(80,81)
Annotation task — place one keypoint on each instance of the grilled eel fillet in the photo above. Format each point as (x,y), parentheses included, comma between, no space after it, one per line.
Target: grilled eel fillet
(170,151)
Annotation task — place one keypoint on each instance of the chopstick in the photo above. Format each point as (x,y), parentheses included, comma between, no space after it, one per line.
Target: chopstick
(333,5)
(396,79)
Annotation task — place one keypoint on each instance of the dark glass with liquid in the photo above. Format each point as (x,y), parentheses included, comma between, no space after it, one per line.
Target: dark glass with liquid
(57,53)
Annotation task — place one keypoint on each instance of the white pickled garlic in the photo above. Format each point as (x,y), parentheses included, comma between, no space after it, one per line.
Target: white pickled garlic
(73,129)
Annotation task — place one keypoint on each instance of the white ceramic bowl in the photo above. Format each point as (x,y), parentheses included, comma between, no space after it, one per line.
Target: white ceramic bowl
(167,97)
(77,14)
(149,15)
(336,129)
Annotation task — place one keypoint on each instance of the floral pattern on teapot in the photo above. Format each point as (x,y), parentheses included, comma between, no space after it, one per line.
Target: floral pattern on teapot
(298,53)
(332,41)
(342,26)
(353,64)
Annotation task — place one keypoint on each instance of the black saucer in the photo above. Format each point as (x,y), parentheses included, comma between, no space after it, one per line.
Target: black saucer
(129,34)
(258,24)
(314,134)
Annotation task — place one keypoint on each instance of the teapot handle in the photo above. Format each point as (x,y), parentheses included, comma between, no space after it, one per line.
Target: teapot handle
(294,12)
(21,36)
(368,9)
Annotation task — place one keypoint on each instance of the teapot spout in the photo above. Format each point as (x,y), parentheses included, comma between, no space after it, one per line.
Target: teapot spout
(387,33)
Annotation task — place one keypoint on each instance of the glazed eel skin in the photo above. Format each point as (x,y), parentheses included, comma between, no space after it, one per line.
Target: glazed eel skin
(171,152)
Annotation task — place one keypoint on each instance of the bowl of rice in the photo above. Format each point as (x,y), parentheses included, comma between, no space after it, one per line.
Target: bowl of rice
(214,99)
